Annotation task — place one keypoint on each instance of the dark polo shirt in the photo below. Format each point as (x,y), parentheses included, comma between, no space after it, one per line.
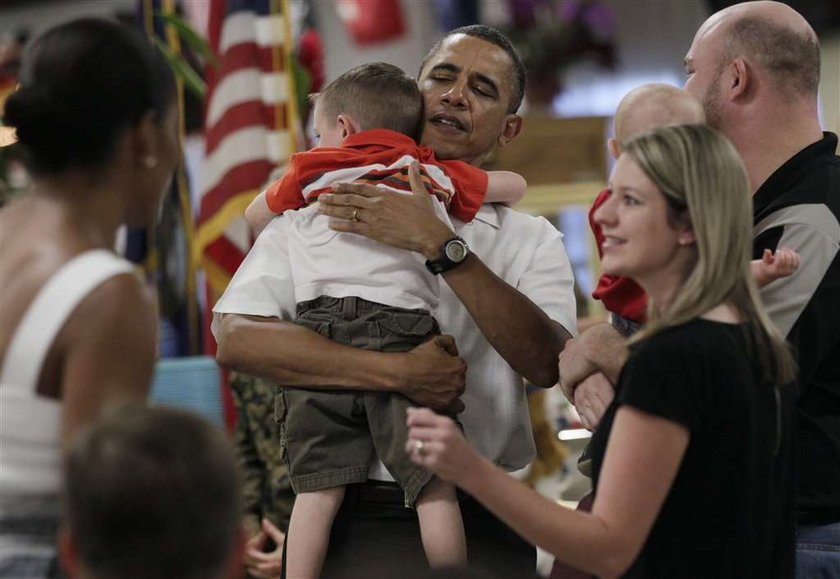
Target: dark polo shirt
(799,207)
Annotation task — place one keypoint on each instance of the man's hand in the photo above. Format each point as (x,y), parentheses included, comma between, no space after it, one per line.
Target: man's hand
(434,375)
(592,397)
(601,348)
(260,564)
(574,366)
(403,221)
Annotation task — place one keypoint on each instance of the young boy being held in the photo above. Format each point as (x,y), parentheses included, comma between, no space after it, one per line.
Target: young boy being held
(363,293)
(350,105)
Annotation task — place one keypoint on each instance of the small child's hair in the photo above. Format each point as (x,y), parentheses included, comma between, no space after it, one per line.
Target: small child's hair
(377,96)
(152,492)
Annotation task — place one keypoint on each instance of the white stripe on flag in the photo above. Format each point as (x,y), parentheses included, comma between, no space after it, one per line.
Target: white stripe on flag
(238,28)
(253,143)
(270,30)
(279,146)
(275,87)
(248,84)
(235,88)
(242,146)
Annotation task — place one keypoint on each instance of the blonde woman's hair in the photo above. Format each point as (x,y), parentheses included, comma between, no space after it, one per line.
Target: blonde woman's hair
(703,179)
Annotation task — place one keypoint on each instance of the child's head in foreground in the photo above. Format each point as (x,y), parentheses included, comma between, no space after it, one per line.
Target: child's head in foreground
(371,96)
(151,492)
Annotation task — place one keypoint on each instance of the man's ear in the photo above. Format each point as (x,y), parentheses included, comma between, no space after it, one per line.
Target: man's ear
(67,555)
(741,79)
(348,126)
(612,147)
(511,128)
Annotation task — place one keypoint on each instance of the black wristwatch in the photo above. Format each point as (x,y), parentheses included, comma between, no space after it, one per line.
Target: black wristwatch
(452,253)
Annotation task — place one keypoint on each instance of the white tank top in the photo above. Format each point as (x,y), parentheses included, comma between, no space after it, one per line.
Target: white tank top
(30,449)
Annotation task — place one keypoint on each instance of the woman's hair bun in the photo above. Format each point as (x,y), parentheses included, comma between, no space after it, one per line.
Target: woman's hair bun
(34,113)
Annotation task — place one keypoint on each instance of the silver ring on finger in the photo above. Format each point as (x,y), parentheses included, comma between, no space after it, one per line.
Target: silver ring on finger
(419,446)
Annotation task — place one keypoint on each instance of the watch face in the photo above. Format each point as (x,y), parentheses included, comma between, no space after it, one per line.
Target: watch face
(456,250)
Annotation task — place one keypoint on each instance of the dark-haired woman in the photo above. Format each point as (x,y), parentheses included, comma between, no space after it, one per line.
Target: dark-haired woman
(96,117)
(692,461)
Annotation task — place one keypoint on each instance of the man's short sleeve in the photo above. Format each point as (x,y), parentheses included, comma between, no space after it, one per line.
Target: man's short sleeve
(548,280)
(786,298)
(801,305)
(263,285)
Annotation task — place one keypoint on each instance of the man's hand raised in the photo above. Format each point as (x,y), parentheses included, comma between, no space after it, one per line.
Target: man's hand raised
(406,221)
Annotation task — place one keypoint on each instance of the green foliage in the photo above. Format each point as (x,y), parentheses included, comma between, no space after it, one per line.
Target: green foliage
(182,69)
(302,84)
(190,37)
(180,66)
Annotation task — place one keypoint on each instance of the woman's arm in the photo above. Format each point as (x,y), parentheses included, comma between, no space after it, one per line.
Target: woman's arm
(108,347)
(643,456)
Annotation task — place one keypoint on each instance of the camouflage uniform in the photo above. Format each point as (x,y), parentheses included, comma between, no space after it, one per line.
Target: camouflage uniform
(267,491)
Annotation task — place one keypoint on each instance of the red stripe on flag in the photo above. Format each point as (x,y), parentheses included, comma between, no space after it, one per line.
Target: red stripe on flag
(239,179)
(225,253)
(240,116)
(248,54)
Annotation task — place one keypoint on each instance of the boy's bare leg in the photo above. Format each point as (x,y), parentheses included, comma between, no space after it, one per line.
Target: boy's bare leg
(441,526)
(309,532)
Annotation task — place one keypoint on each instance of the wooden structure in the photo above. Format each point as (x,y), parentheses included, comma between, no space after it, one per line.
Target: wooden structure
(565,164)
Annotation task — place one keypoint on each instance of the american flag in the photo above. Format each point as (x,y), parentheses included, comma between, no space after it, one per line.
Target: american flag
(250,122)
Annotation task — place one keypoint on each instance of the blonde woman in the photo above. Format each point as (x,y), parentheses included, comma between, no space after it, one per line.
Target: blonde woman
(692,462)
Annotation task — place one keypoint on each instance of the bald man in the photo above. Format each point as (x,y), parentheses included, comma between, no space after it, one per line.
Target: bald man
(756,67)
(589,365)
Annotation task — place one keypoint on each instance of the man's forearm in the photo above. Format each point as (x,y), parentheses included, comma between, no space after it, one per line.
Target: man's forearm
(292,355)
(606,348)
(519,330)
(431,374)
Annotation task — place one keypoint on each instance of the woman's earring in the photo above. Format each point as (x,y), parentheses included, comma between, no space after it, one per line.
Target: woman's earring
(150,162)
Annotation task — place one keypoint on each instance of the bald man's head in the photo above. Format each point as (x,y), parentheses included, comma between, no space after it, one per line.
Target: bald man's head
(772,36)
(655,105)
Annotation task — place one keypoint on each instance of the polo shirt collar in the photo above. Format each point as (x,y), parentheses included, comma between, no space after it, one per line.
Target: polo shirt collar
(489,214)
(792,170)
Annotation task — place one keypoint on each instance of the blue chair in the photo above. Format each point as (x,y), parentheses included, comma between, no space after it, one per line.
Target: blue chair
(192,383)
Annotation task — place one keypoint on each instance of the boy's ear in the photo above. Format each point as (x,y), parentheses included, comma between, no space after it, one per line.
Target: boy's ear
(348,126)
(612,147)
